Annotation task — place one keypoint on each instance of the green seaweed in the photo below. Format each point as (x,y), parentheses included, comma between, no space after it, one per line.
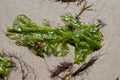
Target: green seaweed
(5,66)
(86,38)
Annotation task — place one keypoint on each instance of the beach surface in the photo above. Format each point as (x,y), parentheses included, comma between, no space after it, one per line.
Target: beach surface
(107,67)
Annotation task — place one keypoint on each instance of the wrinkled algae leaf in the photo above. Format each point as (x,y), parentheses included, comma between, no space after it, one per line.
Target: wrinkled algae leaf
(86,38)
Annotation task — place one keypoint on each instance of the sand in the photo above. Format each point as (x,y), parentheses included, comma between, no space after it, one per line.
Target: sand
(106,68)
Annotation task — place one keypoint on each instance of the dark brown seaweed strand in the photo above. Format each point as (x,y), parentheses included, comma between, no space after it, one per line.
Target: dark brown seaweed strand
(35,76)
(117,78)
(85,66)
(67,0)
(80,2)
(28,68)
(22,66)
(100,23)
(61,68)
(84,8)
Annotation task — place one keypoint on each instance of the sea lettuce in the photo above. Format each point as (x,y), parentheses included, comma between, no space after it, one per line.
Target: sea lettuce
(86,38)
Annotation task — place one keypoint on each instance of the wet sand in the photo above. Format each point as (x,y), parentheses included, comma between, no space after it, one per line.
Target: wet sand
(106,68)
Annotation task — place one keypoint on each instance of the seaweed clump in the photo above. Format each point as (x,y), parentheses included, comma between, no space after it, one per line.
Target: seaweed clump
(86,38)
(5,66)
